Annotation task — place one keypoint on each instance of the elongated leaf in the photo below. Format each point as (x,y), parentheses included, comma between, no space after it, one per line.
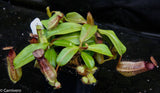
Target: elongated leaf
(90,41)
(64,43)
(100,48)
(73,37)
(121,49)
(88,60)
(51,55)
(90,19)
(87,32)
(91,53)
(66,54)
(75,17)
(45,23)
(64,28)
(25,56)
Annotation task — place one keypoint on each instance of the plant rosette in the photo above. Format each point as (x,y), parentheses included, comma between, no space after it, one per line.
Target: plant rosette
(64,39)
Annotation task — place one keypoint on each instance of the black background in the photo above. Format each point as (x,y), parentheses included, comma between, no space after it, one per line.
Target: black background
(140,15)
(136,23)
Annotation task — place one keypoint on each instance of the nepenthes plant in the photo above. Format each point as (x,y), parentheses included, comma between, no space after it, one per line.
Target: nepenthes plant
(66,40)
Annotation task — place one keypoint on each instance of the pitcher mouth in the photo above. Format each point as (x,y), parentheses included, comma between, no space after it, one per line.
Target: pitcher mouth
(149,66)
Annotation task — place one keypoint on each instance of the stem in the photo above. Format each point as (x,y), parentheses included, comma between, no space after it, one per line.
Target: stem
(119,59)
(54,40)
(108,59)
(57,68)
(80,44)
(76,60)
(84,48)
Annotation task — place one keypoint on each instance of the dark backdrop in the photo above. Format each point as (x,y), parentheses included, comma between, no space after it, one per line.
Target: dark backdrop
(123,17)
(139,15)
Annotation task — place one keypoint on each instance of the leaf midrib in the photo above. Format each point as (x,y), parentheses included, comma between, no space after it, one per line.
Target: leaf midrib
(65,55)
(88,30)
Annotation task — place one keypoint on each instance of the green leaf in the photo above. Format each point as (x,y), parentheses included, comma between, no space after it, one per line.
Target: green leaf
(64,28)
(64,43)
(90,19)
(45,23)
(90,41)
(87,32)
(75,17)
(72,37)
(121,49)
(66,54)
(100,48)
(25,56)
(89,52)
(88,60)
(51,55)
